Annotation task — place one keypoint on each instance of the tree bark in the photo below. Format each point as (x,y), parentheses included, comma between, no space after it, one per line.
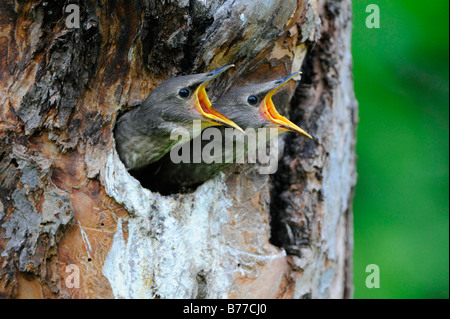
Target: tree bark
(69,208)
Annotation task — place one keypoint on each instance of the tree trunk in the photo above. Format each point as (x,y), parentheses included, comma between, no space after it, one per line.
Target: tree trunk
(75,224)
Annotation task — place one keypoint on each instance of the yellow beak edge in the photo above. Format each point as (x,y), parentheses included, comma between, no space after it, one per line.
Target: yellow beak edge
(204,105)
(270,112)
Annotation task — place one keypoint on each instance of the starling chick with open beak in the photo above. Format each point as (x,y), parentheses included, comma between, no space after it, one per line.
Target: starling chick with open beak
(249,107)
(143,134)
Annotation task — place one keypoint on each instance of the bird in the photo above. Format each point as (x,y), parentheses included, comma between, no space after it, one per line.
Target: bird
(143,134)
(250,107)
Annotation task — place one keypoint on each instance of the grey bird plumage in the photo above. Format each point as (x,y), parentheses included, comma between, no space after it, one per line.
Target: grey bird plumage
(249,107)
(142,135)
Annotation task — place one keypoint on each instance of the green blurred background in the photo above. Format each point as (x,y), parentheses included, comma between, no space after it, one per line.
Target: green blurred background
(402,197)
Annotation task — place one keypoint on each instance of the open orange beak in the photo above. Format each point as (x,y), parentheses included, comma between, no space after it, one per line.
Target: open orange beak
(204,105)
(270,113)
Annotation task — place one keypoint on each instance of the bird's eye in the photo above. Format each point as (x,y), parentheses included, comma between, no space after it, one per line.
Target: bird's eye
(184,93)
(252,100)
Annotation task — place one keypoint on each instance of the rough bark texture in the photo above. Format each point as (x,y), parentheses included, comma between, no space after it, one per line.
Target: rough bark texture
(66,199)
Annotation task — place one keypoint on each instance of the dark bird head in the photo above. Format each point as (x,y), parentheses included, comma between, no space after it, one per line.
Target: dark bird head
(252,107)
(183,99)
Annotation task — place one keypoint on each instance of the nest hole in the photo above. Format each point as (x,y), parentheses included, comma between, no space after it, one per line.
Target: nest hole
(150,178)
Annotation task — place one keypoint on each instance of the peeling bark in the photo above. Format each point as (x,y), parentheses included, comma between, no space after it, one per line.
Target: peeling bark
(66,199)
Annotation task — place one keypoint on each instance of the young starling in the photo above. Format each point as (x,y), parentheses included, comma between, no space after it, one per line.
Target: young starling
(249,107)
(143,134)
